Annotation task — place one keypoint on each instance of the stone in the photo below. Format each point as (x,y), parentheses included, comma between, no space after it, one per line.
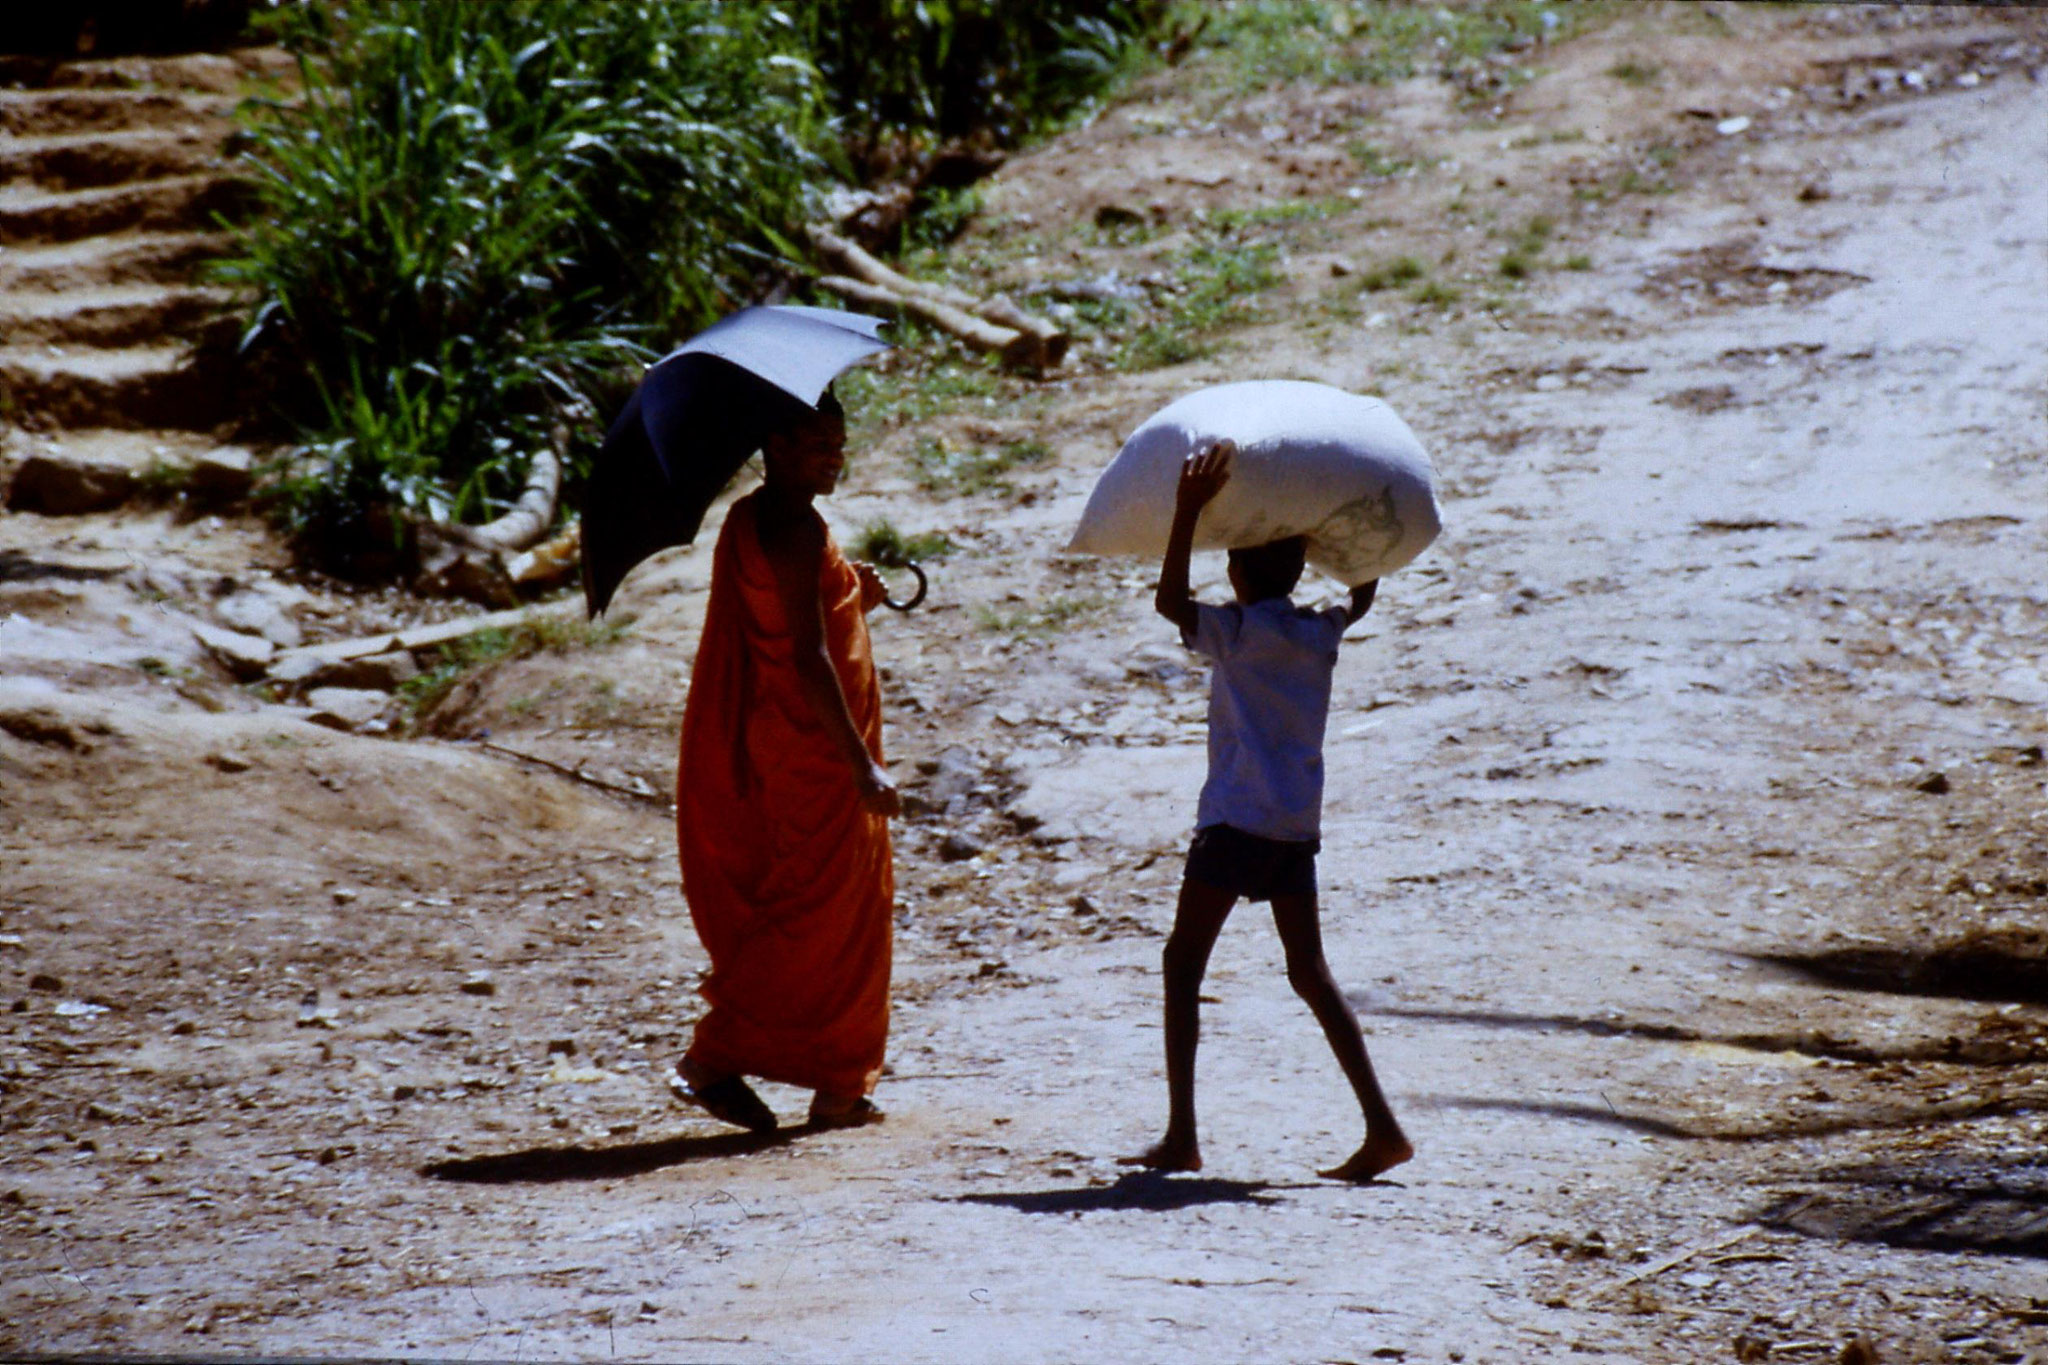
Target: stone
(258,613)
(247,657)
(346,708)
(228,762)
(371,672)
(958,848)
(60,485)
(222,474)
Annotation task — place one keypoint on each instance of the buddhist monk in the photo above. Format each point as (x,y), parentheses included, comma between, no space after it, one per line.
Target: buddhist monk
(783,806)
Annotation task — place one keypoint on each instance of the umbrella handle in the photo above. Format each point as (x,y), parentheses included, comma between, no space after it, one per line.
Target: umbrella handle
(922,585)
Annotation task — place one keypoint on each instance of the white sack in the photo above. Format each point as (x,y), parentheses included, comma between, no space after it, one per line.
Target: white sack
(1312,460)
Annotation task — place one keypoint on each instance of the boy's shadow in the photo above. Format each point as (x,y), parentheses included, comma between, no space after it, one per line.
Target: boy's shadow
(1151,1191)
(545,1165)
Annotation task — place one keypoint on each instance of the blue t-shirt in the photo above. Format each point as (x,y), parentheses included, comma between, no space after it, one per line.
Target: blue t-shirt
(1269,699)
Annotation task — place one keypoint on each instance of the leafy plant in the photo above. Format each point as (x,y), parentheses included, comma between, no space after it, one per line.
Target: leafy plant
(880,542)
(1391,274)
(474,214)
(1215,279)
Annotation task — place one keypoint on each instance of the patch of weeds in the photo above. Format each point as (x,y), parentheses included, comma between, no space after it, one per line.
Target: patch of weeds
(916,391)
(1272,42)
(1434,294)
(1392,274)
(1038,620)
(155,667)
(604,703)
(1524,256)
(1578,261)
(953,473)
(880,542)
(164,482)
(940,215)
(498,645)
(1633,72)
(1122,228)
(1377,162)
(1287,211)
(1214,279)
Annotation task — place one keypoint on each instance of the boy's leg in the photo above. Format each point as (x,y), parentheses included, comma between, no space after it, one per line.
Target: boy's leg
(1196,921)
(1301,934)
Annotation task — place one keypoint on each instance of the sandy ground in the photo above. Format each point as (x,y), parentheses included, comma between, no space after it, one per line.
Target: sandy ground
(1684,853)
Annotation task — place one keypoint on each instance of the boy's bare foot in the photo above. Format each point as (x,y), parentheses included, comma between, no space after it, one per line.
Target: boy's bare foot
(1373,1159)
(1168,1154)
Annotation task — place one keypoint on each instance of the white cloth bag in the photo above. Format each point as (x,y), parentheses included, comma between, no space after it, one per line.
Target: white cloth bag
(1342,469)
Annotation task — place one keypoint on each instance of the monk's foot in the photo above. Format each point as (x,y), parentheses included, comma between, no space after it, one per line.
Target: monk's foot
(726,1098)
(1168,1154)
(1377,1156)
(838,1111)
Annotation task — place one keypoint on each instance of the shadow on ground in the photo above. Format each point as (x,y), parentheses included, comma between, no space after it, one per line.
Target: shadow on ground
(1935,1205)
(1148,1191)
(545,1165)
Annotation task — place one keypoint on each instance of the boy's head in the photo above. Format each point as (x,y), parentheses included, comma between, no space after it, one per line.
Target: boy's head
(808,453)
(1269,570)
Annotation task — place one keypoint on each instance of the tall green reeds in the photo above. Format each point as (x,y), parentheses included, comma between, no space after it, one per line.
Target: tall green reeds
(474,212)
(476,217)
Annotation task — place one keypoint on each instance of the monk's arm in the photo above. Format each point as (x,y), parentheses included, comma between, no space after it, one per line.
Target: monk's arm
(797,554)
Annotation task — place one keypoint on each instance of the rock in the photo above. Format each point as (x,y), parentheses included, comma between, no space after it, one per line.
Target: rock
(62,485)
(1934,784)
(1729,127)
(372,672)
(226,762)
(245,656)
(956,773)
(43,981)
(1341,267)
(222,474)
(259,614)
(346,708)
(1116,216)
(561,1047)
(480,985)
(958,848)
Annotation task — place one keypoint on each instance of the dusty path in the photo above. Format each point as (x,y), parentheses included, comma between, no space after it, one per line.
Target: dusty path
(1732,573)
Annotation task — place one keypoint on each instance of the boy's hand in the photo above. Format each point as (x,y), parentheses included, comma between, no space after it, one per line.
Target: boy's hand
(872,588)
(1203,477)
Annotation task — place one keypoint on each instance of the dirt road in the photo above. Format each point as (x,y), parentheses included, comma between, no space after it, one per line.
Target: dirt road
(1684,849)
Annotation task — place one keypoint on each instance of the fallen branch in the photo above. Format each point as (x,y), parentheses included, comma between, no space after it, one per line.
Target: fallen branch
(1676,1258)
(305,658)
(1013,347)
(1031,343)
(577,774)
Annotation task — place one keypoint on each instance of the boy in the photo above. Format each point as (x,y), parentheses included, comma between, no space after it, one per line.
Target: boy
(1257,826)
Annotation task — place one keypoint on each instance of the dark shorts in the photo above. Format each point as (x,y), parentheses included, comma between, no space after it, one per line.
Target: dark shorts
(1252,866)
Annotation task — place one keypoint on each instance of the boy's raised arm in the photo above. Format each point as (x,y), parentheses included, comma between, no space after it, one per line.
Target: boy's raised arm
(1361,598)
(1201,479)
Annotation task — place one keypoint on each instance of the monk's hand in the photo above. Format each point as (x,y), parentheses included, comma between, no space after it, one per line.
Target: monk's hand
(1202,477)
(878,794)
(872,588)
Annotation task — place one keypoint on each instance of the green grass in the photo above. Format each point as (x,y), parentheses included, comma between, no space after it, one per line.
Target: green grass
(1348,42)
(1633,72)
(1525,255)
(1391,274)
(1038,620)
(880,542)
(948,473)
(500,645)
(1216,282)
(1377,161)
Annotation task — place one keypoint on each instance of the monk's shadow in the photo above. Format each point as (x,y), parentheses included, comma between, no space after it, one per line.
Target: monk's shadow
(547,1165)
(1146,1191)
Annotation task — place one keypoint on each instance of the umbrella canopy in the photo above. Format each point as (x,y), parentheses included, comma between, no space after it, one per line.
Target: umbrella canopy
(699,412)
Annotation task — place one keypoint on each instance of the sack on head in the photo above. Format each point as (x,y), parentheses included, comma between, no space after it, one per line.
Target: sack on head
(1312,460)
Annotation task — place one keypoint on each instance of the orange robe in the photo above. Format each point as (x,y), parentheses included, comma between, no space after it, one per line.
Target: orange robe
(789,880)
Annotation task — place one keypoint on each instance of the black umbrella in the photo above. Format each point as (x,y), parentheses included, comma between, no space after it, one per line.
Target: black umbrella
(698,414)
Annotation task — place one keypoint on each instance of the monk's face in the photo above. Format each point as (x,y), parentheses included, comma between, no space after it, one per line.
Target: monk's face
(807,458)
